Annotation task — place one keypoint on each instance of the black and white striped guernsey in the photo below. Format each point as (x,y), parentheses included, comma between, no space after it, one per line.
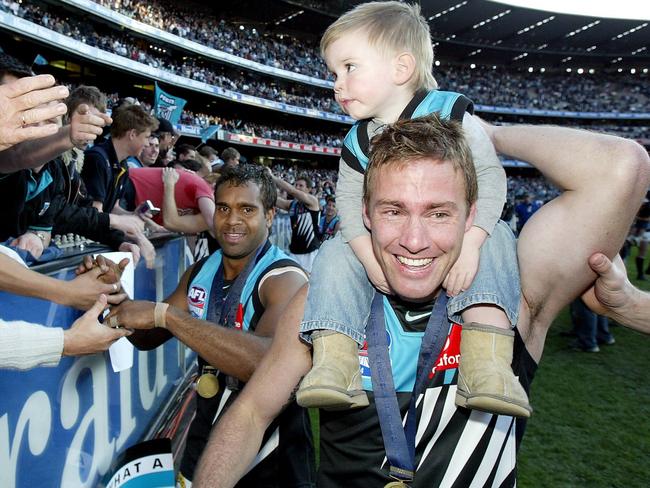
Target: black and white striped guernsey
(455,447)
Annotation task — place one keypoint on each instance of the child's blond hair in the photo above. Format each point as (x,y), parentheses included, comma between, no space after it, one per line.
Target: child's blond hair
(391,27)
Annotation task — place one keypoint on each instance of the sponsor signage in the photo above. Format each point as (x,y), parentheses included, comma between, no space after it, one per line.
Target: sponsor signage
(64,426)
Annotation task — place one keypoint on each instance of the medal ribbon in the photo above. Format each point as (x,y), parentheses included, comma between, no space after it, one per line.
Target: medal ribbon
(399,441)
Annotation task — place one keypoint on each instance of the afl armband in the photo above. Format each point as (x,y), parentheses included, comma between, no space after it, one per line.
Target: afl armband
(159,315)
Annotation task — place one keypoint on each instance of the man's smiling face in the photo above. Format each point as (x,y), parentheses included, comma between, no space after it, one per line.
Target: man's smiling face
(417,214)
(241,224)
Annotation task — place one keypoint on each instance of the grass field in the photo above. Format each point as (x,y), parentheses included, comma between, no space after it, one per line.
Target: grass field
(591,425)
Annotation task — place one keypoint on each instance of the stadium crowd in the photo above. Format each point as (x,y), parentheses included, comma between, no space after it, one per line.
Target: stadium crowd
(248,42)
(486,86)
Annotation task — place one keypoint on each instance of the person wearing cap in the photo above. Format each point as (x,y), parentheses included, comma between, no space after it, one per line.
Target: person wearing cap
(167,137)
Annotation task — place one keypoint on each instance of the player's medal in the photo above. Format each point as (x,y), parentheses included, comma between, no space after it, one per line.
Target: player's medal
(396,484)
(207,385)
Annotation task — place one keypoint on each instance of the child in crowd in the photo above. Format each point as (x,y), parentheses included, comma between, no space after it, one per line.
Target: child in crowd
(381,56)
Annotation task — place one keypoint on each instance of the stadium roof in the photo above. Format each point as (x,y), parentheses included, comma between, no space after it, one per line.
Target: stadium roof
(491,32)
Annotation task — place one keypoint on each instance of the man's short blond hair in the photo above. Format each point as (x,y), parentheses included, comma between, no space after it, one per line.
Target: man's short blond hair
(391,27)
(429,137)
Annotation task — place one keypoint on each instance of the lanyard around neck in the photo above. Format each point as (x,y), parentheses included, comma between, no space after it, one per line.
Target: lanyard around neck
(399,441)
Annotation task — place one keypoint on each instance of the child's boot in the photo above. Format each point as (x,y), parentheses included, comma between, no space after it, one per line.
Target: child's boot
(485,378)
(334,382)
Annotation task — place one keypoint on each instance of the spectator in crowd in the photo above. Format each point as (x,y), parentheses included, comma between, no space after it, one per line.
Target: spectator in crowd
(589,328)
(150,152)
(231,342)
(77,215)
(639,236)
(210,154)
(36,200)
(193,197)
(525,210)
(230,156)
(304,212)
(26,128)
(167,137)
(187,164)
(185,151)
(330,222)
(105,168)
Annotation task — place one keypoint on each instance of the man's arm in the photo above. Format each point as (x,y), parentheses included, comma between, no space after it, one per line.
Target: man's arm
(613,295)
(310,201)
(282,203)
(604,179)
(233,352)
(81,292)
(237,437)
(25,346)
(188,224)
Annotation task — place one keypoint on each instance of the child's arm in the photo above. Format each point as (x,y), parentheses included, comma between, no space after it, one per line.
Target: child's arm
(492,189)
(349,190)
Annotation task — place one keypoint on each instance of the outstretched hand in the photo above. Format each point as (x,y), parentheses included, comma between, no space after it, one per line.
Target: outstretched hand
(25,104)
(87,335)
(97,276)
(86,124)
(132,314)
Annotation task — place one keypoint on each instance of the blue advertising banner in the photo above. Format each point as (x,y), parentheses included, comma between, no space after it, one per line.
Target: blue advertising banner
(65,426)
(168,106)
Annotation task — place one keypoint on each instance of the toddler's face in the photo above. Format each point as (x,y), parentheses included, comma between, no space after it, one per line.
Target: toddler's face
(363,76)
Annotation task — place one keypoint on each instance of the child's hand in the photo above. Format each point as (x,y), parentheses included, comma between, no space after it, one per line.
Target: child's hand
(362,248)
(376,276)
(462,273)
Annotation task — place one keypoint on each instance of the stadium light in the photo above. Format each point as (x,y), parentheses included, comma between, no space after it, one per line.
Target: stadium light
(645,70)
(437,63)
(580,71)
(592,71)
(632,71)
(542,70)
(472,66)
(568,70)
(530,69)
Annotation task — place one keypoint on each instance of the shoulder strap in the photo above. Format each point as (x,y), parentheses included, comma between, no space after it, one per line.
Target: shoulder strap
(356,147)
